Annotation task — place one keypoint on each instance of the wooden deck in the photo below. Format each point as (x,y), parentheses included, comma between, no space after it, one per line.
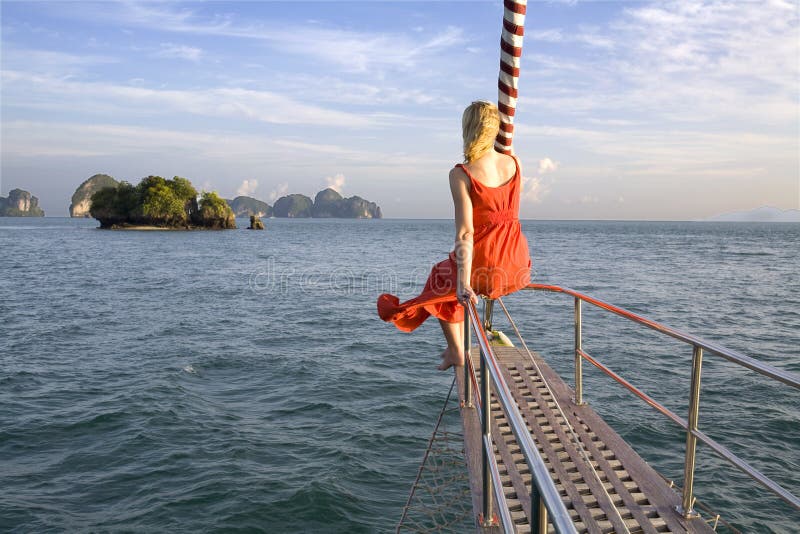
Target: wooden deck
(631,492)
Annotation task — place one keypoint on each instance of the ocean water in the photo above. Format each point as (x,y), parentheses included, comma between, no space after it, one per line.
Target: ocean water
(241,381)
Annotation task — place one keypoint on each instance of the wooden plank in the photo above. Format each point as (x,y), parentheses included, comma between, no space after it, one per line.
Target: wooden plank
(572,474)
(598,491)
(562,478)
(658,493)
(543,439)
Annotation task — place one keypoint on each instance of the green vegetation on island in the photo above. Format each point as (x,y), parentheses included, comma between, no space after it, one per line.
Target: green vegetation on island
(82,198)
(20,203)
(247,206)
(329,203)
(161,203)
(174,204)
(293,206)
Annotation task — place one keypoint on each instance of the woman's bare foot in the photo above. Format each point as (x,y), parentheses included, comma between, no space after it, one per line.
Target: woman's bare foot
(451,357)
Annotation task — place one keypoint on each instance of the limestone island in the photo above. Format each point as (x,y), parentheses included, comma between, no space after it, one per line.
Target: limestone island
(328,203)
(249,206)
(20,203)
(157,203)
(82,198)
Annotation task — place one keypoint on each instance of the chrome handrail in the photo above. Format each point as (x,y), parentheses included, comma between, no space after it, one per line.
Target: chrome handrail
(543,489)
(690,425)
(731,355)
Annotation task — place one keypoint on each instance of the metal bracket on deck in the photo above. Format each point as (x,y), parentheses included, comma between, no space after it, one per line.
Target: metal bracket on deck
(690,514)
(493,522)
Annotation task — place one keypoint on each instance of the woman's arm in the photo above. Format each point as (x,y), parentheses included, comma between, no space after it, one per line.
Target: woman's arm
(459,187)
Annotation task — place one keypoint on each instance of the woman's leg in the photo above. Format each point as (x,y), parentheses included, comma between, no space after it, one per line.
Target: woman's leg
(454,353)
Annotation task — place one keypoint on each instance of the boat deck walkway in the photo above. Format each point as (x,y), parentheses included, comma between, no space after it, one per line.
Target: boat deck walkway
(626,494)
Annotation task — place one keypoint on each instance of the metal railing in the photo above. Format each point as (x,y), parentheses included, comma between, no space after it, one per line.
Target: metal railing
(546,503)
(693,434)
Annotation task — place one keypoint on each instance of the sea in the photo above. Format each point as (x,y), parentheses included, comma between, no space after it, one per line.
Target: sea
(241,381)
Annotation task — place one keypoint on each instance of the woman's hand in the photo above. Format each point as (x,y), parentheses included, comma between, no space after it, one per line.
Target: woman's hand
(465,294)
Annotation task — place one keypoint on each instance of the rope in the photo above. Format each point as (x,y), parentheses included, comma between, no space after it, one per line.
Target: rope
(510,54)
(575,437)
(439,500)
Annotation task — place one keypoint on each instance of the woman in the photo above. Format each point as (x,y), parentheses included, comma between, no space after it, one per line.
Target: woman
(491,254)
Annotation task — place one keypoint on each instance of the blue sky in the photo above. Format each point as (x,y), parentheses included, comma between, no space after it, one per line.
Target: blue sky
(627,110)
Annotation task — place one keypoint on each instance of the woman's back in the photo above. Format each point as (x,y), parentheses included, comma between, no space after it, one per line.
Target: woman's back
(493,169)
(501,261)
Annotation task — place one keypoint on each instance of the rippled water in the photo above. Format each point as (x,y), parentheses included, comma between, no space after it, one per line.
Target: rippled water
(200,381)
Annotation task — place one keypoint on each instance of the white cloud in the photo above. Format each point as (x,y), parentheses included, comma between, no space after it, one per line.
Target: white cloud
(335,182)
(547,165)
(532,189)
(262,106)
(51,62)
(589,199)
(278,192)
(189,53)
(535,188)
(355,51)
(248,188)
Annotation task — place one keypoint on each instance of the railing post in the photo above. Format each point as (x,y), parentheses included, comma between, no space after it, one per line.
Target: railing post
(538,511)
(578,358)
(467,346)
(487,518)
(691,440)
(488,309)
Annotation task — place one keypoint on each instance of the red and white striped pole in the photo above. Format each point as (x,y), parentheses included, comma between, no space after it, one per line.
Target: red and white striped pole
(510,53)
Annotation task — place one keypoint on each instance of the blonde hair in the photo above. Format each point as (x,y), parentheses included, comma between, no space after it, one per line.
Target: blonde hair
(480,125)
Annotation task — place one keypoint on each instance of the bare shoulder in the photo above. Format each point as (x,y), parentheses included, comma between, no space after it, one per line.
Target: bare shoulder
(508,164)
(512,162)
(457,175)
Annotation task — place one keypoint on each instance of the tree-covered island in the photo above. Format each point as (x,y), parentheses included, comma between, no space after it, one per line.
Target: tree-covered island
(160,203)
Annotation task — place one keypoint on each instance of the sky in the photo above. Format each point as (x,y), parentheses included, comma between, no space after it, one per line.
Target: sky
(627,110)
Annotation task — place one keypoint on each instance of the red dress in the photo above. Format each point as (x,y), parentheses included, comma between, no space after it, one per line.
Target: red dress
(501,263)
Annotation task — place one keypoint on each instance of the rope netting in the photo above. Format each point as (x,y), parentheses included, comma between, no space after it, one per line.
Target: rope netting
(440,499)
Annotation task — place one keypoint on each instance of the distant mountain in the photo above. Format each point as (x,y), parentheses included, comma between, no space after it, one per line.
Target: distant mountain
(247,206)
(293,206)
(82,198)
(329,203)
(762,214)
(20,204)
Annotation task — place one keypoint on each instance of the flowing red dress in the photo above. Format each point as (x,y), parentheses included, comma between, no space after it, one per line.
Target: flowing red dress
(501,263)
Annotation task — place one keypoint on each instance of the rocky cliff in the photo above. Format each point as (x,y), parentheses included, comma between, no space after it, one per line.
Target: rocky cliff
(20,203)
(329,203)
(294,206)
(247,206)
(82,198)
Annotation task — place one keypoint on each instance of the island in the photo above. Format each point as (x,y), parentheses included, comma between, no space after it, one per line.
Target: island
(160,204)
(20,203)
(762,214)
(293,206)
(82,198)
(248,206)
(329,203)
(116,211)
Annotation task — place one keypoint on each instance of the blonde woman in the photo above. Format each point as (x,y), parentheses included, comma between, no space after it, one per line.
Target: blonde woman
(491,256)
